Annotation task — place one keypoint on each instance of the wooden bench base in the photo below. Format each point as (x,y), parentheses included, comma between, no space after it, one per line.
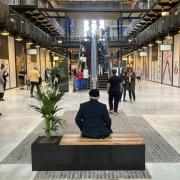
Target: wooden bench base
(76,153)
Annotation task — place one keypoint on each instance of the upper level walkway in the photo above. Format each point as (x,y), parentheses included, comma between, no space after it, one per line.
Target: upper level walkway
(155,115)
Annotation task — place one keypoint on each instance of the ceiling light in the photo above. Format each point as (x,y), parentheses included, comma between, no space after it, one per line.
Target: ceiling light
(59,41)
(150,45)
(29,42)
(4,33)
(158,41)
(18,38)
(129,40)
(37,46)
(168,37)
(170,1)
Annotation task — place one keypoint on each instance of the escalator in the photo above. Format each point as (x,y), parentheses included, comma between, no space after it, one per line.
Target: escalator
(103,64)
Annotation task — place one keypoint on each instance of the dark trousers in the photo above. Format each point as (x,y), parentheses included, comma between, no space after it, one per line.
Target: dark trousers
(4,85)
(1,96)
(32,86)
(114,96)
(132,94)
(123,92)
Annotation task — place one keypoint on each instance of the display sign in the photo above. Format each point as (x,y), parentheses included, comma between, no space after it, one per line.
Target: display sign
(165,47)
(144,53)
(56,58)
(32,51)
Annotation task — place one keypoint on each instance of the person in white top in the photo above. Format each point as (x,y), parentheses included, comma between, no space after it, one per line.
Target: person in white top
(138,75)
(85,77)
(82,61)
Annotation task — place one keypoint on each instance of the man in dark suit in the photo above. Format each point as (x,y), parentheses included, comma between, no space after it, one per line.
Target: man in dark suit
(93,117)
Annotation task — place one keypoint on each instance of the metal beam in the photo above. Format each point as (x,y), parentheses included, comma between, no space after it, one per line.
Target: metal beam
(93,10)
(62,17)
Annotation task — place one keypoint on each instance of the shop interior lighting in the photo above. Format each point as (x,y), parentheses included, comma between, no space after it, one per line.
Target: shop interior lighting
(4,33)
(168,37)
(18,38)
(144,47)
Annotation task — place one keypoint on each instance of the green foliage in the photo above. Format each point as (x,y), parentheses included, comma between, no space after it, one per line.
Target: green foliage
(48,108)
(54,73)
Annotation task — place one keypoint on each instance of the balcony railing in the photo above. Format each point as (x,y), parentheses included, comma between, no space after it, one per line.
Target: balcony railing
(161,27)
(3,13)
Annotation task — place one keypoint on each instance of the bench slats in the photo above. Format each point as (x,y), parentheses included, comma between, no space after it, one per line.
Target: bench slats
(114,139)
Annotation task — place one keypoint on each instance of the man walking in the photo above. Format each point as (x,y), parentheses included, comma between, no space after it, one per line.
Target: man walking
(113,89)
(34,78)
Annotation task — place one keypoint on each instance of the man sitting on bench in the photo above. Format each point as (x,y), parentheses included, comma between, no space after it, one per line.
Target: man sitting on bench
(93,117)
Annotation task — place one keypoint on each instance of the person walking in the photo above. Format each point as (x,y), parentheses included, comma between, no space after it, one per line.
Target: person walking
(124,78)
(85,77)
(79,76)
(131,84)
(5,75)
(1,86)
(34,78)
(138,76)
(113,89)
(46,75)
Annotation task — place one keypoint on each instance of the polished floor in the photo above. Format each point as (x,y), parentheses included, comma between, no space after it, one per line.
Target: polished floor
(158,104)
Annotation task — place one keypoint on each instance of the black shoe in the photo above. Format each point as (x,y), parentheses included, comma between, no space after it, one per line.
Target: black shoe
(124,100)
(0,114)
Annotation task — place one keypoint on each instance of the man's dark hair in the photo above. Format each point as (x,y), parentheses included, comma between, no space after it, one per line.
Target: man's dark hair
(114,71)
(94,93)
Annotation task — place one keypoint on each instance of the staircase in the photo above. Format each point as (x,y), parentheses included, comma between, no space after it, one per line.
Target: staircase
(102,81)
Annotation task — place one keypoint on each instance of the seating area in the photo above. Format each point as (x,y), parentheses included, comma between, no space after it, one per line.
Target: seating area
(117,152)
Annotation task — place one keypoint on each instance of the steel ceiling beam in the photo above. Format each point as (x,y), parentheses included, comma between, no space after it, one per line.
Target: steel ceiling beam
(105,10)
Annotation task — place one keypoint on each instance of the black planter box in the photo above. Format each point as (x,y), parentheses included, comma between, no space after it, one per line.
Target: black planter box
(55,157)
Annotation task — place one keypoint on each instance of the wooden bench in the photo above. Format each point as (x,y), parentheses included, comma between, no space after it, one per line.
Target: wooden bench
(117,152)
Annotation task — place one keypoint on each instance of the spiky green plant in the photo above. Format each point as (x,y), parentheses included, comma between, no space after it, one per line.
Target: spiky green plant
(48,108)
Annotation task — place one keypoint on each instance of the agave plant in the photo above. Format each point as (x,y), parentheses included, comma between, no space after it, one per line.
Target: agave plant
(48,108)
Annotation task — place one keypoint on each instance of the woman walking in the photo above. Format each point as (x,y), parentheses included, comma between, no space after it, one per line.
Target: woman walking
(131,84)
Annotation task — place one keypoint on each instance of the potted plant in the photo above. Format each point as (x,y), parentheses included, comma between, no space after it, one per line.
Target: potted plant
(45,148)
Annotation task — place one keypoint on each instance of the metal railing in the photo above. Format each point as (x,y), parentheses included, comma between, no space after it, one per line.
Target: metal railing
(93,63)
(161,27)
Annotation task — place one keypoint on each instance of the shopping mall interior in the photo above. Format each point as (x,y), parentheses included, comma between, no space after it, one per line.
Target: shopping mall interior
(53,52)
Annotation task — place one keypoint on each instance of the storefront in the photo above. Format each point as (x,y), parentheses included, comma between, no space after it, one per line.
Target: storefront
(176,63)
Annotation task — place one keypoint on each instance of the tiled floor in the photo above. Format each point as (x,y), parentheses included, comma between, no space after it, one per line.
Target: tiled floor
(158,104)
